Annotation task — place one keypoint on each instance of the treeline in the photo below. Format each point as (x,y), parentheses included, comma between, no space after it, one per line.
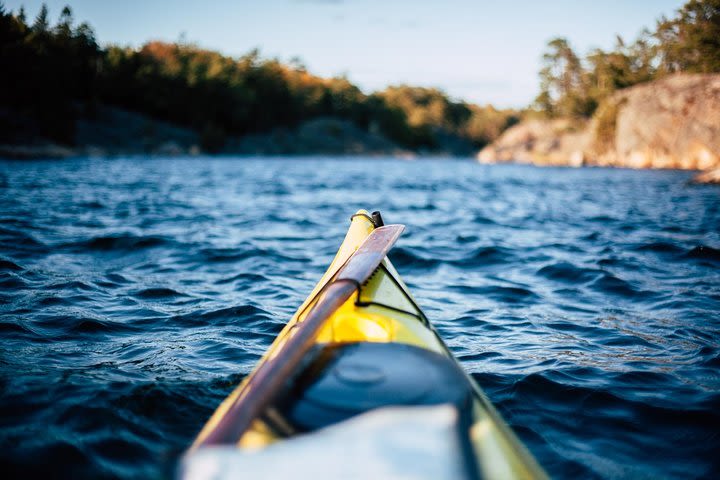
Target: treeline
(49,74)
(54,74)
(571,86)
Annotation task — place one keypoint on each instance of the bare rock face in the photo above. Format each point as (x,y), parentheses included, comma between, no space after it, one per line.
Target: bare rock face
(670,123)
(710,177)
(540,142)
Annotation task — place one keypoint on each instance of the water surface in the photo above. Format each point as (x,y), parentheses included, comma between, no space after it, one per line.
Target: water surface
(135,293)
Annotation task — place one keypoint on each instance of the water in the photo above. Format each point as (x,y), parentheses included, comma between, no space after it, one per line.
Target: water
(135,293)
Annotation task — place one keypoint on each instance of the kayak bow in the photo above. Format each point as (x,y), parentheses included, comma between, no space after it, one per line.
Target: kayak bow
(360,348)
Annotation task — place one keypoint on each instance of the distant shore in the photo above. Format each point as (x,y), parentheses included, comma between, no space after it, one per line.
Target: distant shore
(113,131)
(670,123)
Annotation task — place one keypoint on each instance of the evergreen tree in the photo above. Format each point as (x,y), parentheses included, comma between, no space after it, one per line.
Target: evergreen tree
(563,86)
(64,26)
(691,41)
(41,24)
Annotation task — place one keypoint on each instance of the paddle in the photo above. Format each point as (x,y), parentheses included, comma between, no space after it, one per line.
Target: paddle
(269,379)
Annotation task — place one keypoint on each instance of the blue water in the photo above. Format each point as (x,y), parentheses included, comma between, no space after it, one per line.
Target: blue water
(135,293)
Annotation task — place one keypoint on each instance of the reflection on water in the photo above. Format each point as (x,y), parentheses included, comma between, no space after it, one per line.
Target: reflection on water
(134,294)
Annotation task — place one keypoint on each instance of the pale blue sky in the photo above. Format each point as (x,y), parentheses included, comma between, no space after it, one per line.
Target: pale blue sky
(480,51)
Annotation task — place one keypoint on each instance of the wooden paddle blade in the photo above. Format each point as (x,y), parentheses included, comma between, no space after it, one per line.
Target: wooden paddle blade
(371,253)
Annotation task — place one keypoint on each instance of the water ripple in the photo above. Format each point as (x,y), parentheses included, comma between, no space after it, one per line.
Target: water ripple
(136,293)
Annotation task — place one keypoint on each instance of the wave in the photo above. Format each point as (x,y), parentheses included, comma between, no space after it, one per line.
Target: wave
(403,257)
(659,247)
(154,293)
(237,254)
(71,285)
(703,252)
(94,326)
(484,256)
(67,326)
(20,242)
(92,205)
(8,265)
(506,294)
(585,412)
(699,252)
(129,309)
(241,315)
(13,327)
(609,283)
(569,273)
(119,242)
(12,282)
(477,258)
(243,278)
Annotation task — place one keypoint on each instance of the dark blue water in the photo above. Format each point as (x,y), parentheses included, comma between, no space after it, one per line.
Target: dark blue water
(134,294)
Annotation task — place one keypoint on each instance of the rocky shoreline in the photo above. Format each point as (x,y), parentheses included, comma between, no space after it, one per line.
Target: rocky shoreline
(708,177)
(112,132)
(669,123)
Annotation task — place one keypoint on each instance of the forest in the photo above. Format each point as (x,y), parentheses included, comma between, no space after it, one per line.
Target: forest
(574,86)
(56,72)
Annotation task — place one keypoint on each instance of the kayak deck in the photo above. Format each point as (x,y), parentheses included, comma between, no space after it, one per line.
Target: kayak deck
(382,312)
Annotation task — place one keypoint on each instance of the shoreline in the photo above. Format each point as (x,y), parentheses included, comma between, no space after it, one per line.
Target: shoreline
(93,153)
(670,123)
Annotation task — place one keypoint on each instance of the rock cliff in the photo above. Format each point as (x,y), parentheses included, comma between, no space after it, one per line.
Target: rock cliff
(669,123)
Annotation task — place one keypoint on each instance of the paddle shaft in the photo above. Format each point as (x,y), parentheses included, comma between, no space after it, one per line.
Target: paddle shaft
(270,377)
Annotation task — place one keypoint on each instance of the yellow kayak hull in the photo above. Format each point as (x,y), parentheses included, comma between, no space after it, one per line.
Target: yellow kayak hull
(384,311)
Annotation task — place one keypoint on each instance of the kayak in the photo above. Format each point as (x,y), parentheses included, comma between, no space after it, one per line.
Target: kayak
(359,384)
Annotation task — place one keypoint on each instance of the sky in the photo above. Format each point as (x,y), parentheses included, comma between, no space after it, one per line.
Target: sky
(481,51)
